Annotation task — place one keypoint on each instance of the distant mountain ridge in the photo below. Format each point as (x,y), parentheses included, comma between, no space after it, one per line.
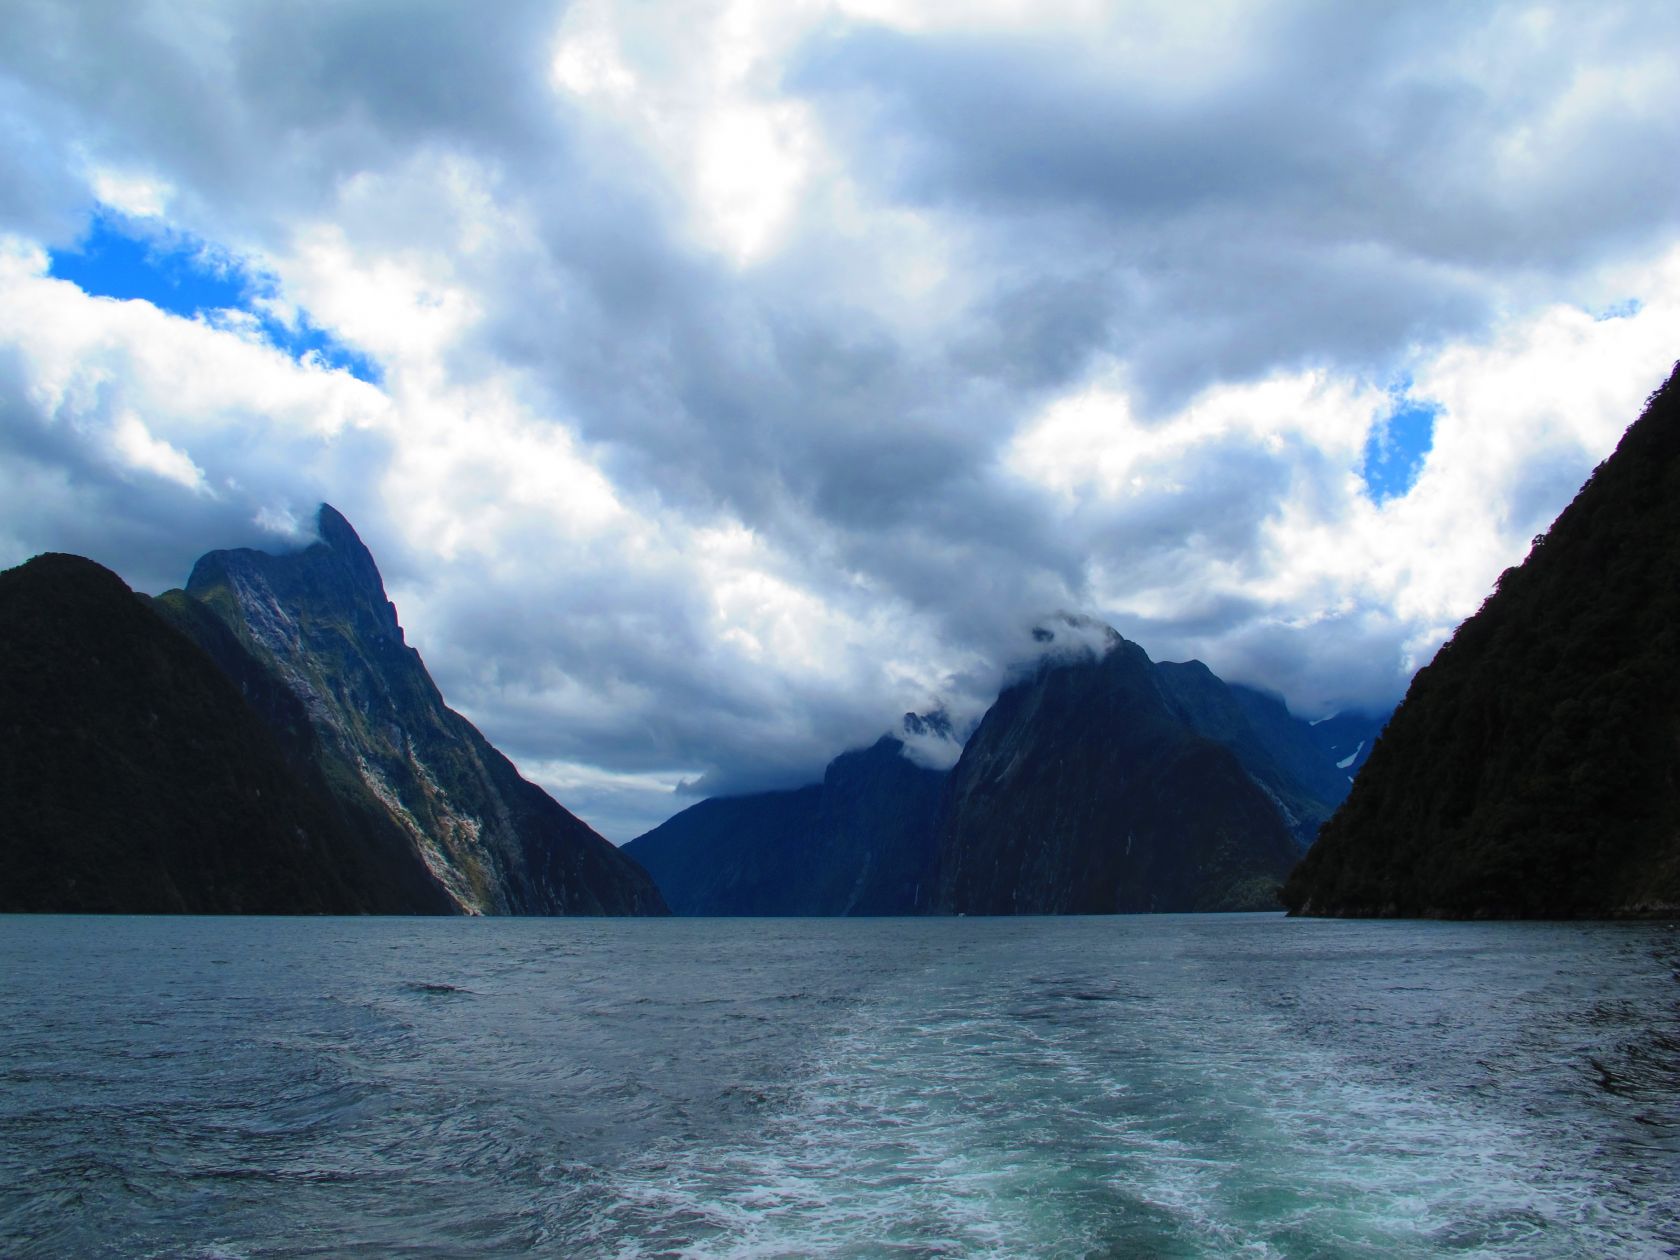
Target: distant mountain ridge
(1283,754)
(1531,770)
(858,843)
(1098,782)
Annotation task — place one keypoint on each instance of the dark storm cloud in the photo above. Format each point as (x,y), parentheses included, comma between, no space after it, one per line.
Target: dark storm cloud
(1039,330)
(656,692)
(258,110)
(1360,120)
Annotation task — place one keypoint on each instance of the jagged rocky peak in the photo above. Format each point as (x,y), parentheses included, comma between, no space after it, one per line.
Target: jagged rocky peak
(336,572)
(497,844)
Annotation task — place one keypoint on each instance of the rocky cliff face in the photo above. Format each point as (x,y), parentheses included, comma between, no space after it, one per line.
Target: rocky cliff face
(319,622)
(134,777)
(1533,769)
(859,843)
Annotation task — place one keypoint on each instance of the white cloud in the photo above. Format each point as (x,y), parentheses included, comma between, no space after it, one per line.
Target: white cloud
(1525,414)
(94,383)
(140,449)
(135,193)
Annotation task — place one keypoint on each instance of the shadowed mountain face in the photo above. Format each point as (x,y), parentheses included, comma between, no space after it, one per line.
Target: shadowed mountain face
(1086,790)
(860,843)
(135,778)
(1285,756)
(1533,769)
(395,756)
(1099,783)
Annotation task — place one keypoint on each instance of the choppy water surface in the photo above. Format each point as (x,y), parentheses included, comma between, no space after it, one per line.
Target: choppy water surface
(1161,1086)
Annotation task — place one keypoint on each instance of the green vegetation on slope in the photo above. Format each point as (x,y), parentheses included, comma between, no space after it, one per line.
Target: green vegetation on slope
(135,778)
(1533,769)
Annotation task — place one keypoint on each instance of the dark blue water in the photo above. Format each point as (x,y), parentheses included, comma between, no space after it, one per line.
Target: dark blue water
(1151,1086)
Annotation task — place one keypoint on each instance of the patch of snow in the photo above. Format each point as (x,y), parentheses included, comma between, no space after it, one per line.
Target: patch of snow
(1352,757)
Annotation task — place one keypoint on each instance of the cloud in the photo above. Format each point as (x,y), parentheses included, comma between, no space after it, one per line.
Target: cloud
(744,375)
(1298,184)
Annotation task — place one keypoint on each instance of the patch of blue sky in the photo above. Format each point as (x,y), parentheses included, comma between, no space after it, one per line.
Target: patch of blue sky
(124,259)
(1625,309)
(1396,447)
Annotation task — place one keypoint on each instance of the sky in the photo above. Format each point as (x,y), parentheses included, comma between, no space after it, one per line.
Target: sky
(716,382)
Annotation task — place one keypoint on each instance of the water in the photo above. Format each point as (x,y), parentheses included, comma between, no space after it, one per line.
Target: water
(1152,1086)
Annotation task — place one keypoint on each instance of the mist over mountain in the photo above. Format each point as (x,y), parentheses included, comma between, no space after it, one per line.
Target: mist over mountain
(1097,782)
(1531,769)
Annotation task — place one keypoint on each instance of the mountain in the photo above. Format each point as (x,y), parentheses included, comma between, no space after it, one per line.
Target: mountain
(1280,752)
(355,701)
(1142,786)
(1531,770)
(1087,789)
(135,778)
(859,843)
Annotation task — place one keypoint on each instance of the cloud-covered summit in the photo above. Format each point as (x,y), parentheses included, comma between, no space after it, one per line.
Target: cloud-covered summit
(743,375)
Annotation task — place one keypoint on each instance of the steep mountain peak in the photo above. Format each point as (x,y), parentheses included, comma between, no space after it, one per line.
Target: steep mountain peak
(496,843)
(334,578)
(331,527)
(137,775)
(1087,790)
(339,540)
